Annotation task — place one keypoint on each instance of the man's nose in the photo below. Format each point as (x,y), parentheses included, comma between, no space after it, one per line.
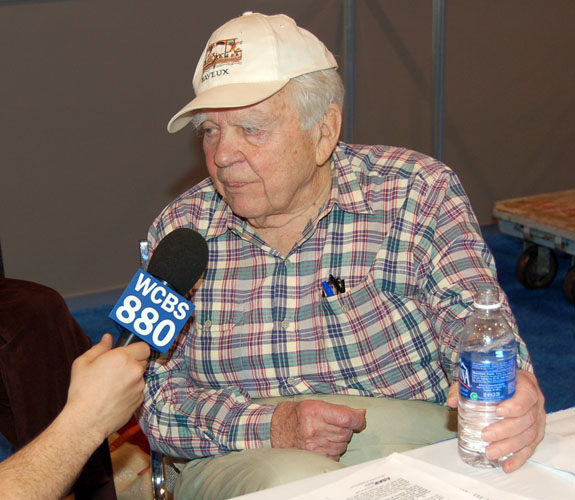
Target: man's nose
(228,149)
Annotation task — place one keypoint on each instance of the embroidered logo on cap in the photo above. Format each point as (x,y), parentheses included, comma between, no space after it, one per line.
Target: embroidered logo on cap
(222,52)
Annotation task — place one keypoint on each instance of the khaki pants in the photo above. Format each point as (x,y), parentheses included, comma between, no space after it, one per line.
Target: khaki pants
(392,426)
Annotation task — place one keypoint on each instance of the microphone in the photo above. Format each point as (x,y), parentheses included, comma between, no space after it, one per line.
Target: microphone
(178,262)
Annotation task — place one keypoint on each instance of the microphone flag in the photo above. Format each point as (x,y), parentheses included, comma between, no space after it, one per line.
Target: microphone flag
(152,310)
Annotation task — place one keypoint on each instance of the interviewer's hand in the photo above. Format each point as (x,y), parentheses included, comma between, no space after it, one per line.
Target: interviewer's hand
(316,426)
(522,427)
(107,385)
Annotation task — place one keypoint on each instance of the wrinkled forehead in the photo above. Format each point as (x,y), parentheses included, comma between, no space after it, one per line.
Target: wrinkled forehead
(264,112)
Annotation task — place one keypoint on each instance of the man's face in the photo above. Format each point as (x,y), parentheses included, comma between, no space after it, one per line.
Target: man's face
(260,160)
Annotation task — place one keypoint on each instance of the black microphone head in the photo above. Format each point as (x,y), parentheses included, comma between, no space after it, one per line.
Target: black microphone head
(180,259)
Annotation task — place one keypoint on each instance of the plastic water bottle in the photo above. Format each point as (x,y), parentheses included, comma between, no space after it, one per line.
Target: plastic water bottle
(487,368)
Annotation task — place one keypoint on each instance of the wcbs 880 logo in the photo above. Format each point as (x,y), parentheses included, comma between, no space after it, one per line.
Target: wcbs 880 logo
(152,311)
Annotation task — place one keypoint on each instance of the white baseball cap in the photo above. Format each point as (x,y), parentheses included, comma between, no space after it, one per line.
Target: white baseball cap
(249,59)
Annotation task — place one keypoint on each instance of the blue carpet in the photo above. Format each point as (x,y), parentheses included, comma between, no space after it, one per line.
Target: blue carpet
(95,322)
(5,448)
(546,321)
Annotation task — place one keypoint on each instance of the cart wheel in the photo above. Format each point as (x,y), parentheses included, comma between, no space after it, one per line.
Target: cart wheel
(530,274)
(569,285)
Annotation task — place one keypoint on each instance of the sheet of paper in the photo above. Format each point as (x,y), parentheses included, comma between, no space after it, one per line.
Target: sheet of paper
(479,489)
(399,477)
(557,452)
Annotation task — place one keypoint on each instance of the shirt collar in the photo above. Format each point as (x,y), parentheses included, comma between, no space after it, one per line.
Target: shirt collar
(346,189)
(224,219)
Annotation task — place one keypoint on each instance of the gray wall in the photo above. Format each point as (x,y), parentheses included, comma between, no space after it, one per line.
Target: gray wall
(87,88)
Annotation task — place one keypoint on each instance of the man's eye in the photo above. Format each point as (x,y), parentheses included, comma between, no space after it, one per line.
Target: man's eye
(251,130)
(208,130)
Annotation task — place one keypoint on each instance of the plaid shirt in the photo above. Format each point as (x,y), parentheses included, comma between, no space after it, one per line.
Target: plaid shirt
(398,228)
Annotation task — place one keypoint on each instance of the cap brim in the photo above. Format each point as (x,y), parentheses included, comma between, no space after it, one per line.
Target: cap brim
(234,95)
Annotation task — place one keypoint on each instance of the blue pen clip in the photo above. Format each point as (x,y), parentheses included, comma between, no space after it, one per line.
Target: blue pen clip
(327,289)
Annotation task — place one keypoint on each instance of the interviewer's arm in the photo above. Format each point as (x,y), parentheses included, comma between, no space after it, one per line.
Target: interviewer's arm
(105,389)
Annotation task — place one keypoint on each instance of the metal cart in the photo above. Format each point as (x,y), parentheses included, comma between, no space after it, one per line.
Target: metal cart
(546,223)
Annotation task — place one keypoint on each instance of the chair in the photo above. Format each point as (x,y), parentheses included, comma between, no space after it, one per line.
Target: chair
(158,476)
(165,472)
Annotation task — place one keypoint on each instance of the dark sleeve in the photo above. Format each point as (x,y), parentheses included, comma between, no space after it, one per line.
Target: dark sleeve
(39,340)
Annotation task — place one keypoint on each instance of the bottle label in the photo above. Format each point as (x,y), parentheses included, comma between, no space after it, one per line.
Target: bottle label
(487,381)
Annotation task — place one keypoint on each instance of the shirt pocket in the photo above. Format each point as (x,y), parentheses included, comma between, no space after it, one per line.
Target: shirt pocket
(376,341)
(216,354)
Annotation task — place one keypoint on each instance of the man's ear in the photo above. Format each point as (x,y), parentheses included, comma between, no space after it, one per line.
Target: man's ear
(329,128)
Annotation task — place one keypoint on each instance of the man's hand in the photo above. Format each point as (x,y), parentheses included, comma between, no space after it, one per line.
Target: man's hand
(522,427)
(107,385)
(316,426)
(105,389)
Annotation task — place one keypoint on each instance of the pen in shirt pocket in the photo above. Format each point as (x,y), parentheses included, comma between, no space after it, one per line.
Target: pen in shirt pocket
(333,286)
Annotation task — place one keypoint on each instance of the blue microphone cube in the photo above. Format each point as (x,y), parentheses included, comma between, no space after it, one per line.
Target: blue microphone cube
(152,311)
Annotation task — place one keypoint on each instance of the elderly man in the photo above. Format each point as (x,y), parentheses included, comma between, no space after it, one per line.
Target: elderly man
(326,323)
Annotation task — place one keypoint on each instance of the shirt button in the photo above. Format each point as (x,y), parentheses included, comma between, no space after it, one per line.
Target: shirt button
(288,262)
(207,324)
(285,324)
(291,381)
(345,308)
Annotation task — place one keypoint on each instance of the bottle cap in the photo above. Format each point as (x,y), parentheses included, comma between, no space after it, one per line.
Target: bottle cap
(487,299)
(486,307)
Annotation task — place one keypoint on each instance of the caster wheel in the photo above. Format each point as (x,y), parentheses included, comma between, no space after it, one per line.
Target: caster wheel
(569,285)
(531,269)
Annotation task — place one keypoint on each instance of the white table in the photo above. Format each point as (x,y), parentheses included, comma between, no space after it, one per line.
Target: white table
(543,477)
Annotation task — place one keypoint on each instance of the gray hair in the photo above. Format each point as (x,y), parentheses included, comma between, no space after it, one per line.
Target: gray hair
(311,93)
